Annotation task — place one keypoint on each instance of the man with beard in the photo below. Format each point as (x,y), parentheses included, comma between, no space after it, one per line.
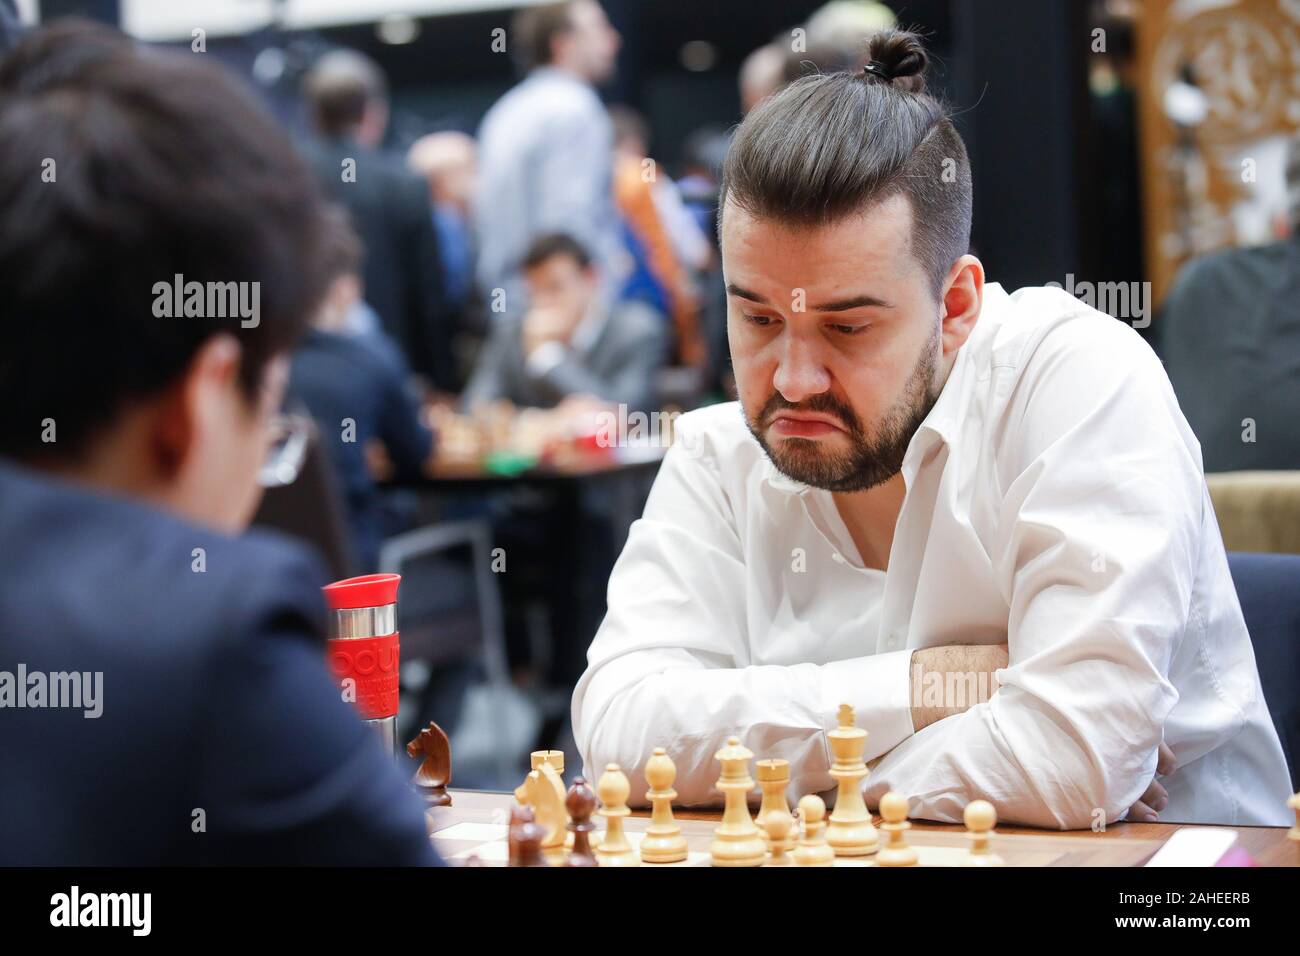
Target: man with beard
(977,517)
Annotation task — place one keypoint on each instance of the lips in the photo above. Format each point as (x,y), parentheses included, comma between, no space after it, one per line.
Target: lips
(791,426)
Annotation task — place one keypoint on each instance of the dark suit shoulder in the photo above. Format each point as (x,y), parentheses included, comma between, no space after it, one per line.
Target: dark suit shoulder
(111,572)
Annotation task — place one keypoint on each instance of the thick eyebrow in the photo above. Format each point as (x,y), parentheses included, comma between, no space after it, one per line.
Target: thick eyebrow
(841,305)
(855,302)
(733,289)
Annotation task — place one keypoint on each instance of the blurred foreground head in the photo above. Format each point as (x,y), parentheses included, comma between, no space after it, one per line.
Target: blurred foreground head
(160,249)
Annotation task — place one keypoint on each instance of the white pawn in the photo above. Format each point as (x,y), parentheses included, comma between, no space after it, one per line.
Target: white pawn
(813,850)
(893,808)
(981,818)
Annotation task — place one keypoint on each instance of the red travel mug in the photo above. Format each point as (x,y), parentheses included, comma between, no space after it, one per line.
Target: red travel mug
(363,648)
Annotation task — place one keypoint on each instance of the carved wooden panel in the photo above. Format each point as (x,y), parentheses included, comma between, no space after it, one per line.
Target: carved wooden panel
(1244,58)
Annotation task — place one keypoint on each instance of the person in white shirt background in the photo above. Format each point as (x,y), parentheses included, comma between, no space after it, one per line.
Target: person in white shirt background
(927,483)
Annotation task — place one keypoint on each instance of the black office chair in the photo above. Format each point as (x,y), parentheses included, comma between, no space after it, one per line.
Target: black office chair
(1268,586)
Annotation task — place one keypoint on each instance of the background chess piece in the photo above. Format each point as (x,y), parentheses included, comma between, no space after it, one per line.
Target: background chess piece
(813,850)
(737,842)
(526,845)
(896,852)
(981,818)
(433,776)
(663,841)
(519,815)
(613,790)
(850,832)
(774,777)
(778,827)
(581,804)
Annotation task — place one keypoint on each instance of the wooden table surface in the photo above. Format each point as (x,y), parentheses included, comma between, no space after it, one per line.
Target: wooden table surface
(1121,844)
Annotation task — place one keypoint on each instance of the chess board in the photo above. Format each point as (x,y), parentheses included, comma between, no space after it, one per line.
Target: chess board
(475,826)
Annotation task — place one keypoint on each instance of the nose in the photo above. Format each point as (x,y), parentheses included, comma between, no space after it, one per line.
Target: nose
(800,373)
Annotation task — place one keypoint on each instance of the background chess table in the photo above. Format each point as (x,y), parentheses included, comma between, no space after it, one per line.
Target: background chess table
(476,822)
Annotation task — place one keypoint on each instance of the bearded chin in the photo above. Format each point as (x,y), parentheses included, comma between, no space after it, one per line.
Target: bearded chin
(869,461)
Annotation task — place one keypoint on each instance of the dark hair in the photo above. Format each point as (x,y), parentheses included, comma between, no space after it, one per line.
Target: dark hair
(159,164)
(827,146)
(337,89)
(533,30)
(555,244)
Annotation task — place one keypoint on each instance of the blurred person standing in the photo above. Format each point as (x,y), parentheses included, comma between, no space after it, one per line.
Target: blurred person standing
(546,150)
(347,100)
(672,247)
(570,344)
(448,162)
(762,73)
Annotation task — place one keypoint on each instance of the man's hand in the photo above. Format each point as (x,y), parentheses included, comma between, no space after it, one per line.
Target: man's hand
(950,679)
(545,325)
(1156,797)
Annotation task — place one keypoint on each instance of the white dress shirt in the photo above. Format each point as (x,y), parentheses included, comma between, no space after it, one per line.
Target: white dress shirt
(545,165)
(1055,501)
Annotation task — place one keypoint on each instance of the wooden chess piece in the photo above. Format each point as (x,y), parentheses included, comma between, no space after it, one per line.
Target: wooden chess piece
(519,816)
(850,832)
(663,841)
(545,792)
(981,818)
(813,850)
(526,845)
(1294,804)
(433,776)
(538,757)
(896,852)
(737,842)
(613,789)
(778,827)
(581,804)
(774,777)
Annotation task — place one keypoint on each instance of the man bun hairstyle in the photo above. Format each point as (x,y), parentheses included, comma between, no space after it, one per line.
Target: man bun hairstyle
(831,145)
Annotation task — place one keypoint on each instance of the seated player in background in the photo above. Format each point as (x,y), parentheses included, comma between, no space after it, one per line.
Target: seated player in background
(929,488)
(353,380)
(1229,333)
(129,459)
(571,344)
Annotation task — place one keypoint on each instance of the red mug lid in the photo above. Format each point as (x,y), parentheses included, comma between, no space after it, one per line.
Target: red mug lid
(369,590)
